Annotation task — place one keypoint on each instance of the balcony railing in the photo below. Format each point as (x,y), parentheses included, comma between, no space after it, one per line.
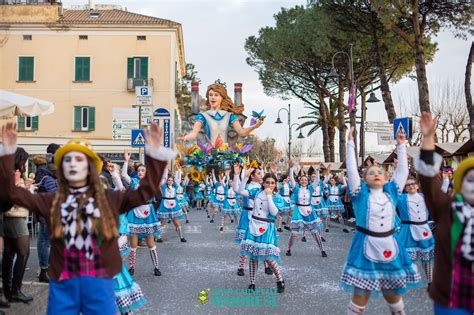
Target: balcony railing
(134,82)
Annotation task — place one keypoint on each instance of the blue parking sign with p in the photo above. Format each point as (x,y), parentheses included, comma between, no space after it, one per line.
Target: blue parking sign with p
(144,91)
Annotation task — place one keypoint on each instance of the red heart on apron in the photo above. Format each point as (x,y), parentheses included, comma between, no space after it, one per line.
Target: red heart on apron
(261,230)
(425,233)
(318,202)
(308,212)
(387,253)
(335,199)
(146,212)
(172,204)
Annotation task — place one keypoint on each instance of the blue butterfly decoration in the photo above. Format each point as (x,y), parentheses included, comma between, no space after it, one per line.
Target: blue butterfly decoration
(258,115)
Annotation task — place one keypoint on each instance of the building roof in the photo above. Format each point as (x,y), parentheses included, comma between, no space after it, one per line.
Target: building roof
(449,147)
(114,16)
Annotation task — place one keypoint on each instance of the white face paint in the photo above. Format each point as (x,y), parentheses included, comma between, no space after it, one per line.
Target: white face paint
(467,187)
(75,168)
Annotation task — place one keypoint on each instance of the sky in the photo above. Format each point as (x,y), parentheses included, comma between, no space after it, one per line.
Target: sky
(214,37)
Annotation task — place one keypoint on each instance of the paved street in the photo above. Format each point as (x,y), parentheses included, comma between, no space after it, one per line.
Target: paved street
(209,261)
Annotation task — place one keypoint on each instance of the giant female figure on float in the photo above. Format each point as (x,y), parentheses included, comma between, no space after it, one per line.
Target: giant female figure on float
(222,114)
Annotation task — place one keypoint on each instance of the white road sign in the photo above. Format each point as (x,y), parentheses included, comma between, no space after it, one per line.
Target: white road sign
(146,115)
(385,139)
(123,121)
(144,95)
(378,126)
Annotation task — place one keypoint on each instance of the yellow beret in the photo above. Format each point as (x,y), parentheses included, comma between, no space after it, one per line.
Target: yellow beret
(462,169)
(78,145)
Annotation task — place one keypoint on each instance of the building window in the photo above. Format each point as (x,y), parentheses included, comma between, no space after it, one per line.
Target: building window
(84,118)
(83,37)
(141,37)
(28,123)
(26,67)
(27,37)
(83,69)
(137,68)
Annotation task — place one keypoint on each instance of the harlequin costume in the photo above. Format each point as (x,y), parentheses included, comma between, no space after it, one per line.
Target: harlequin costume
(82,259)
(377,260)
(452,288)
(415,232)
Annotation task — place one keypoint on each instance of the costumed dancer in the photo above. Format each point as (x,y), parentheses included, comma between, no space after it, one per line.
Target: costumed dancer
(251,185)
(83,220)
(452,288)
(142,220)
(210,195)
(334,201)
(231,207)
(199,195)
(304,216)
(415,232)
(377,261)
(317,198)
(260,242)
(128,294)
(285,192)
(169,208)
(219,195)
(181,194)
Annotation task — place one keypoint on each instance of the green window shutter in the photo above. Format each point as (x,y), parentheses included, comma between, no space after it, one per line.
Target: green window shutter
(21,123)
(77,118)
(144,67)
(34,123)
(26,69)
(130,68)
(91,118)
(83,69)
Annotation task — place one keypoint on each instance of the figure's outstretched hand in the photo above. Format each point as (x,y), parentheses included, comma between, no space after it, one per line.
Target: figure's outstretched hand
(9,136)
(258,123)
(154,135)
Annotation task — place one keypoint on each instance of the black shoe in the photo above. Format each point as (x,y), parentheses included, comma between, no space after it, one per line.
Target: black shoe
(132,271)
(268,271)
(345,230)
(208,216)
(252,287)
(157,272)
(280,230)
(280,286)
(288,253)
(287,228)
(21,297)
(212,221)
(327,230)
(323,239)
(303,239)
(187,221)
(221,228)
(323,253)
(240,272)
(159,240)
(284,223)
(231,221)
(43,276)
(169,221)
(183,240)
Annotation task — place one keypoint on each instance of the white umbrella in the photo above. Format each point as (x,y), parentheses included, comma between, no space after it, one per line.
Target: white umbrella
(13,104)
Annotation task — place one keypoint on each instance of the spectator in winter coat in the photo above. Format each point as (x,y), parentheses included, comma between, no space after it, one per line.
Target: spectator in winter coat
(45,182)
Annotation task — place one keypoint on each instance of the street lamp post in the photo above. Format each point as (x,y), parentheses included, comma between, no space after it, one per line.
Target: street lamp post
(290,125)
